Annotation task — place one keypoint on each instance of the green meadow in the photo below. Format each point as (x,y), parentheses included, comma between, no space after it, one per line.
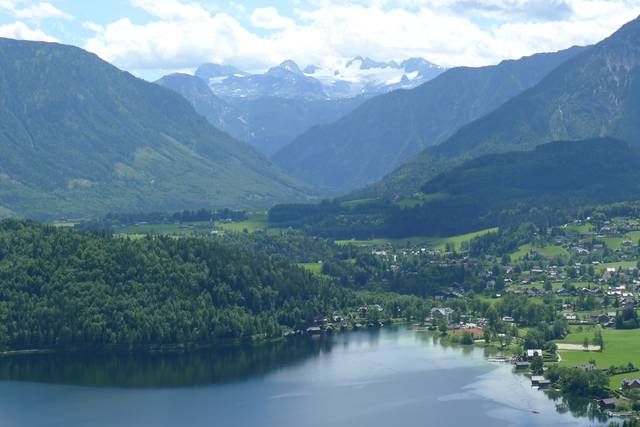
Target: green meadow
(430,242)
(620,348)
(550,251)
(257,221)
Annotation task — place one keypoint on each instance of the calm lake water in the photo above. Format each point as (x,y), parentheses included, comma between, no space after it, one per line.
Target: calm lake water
(391,377)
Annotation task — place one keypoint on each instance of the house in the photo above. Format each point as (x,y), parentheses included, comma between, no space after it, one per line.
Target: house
(544,384)
(630,383)
(441,313)
(508,319)
(610,403)
(602,319)
(535,380)
(314,330)
(521,366)
(587,367)
(608,273)
(534,353)
(446,294)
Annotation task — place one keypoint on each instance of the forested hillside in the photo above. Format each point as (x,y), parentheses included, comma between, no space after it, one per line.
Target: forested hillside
(547,184)
(594,94)
(76,290)
(79,137)
(381,134)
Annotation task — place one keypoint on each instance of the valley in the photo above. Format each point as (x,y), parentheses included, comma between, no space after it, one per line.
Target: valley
(274,216)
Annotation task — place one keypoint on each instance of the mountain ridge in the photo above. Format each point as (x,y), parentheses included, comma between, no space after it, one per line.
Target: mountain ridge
(380,135)
(594,94)
(79,137)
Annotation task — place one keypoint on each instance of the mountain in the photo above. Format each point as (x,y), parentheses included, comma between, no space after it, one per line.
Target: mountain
(218,112)
(284,81)
(273,108)
(488,190)
(544,185)
(79,137)
(366,76)
(377,137)
(596,93)
(267,123)
(209,72)
(275,122)
(358,77)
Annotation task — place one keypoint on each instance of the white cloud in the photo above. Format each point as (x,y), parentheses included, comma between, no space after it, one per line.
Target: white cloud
(183,34)
(24,9)
(21,31)
(268,18)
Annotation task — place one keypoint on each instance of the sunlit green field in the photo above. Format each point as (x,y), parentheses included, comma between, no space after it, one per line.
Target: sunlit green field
(620,348)
(550,251)
(420,199)
(430,242)
(183,229)
(622,264)
(256,221)
(355,203)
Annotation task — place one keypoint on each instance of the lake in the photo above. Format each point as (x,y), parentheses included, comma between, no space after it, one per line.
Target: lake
(389,377)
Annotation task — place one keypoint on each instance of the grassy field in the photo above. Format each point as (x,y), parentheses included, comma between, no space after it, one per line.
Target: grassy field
(622,264)
(256,221)
(620,348)
(547,252)
(184,229)
(584,228)
(355,203)
(429,242)
(385,242)
(420,199)
(314,267)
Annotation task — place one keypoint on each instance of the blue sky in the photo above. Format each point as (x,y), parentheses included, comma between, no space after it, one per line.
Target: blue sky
(152,37)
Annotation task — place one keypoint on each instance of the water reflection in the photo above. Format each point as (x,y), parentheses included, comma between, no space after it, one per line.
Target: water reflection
(577,406)
(153,370)
(377,377)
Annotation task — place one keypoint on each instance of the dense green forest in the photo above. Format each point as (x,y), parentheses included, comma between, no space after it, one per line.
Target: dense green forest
(69,289)
(548,186)
(65,289)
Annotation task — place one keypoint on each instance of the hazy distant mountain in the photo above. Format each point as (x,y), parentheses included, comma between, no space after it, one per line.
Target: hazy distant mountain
(275,122)
(80,137)
(267,123)
(284,81)
(220,113)
(209,72)
(273,108)
(358,77)
(385,131)
(596,93)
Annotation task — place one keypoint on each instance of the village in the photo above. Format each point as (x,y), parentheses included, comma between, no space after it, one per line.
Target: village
(585,272)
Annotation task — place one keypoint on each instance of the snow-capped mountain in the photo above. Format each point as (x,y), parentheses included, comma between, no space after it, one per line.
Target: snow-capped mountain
(358,77)
(283,81)
(365,76)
